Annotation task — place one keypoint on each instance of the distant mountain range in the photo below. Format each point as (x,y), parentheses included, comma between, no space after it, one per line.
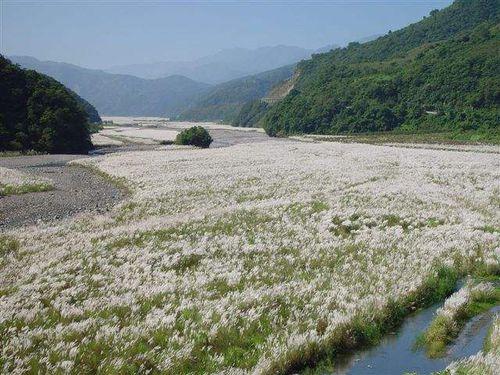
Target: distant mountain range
(224,65)
(173,89)
(173,96)
(118,94)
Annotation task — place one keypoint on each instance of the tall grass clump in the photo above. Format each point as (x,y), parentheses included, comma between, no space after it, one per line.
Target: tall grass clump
(25,188)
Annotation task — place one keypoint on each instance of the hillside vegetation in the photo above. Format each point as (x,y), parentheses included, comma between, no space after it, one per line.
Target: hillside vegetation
(223,102)
(38,113)
(251,114)
(440,74)
(93,115)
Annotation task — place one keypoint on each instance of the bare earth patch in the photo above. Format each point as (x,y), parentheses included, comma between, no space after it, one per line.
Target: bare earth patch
(52,190)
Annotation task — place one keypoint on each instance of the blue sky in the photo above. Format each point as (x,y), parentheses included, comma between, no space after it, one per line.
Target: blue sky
(100,34)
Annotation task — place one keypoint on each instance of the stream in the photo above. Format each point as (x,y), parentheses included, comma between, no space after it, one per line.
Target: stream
(396,353)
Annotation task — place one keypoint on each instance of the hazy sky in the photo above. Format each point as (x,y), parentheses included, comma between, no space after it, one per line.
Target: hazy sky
(100,34)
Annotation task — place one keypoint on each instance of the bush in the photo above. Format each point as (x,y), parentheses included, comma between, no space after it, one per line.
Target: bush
(196,136)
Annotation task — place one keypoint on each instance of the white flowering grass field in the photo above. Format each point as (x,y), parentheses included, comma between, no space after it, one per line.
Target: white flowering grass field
(99,139)
(139,121)
(14,182)
(139,135)
(180,125)
(161,122)
(256,258)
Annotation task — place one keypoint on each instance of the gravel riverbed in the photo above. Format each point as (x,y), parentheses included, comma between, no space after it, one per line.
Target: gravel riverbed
(76,189)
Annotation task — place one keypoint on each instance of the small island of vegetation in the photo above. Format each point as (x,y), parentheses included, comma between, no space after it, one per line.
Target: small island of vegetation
(195,136)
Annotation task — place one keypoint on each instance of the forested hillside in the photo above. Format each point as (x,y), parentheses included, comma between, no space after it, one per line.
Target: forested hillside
(224,101)
(251,114)
(93,115)
(441,74)
(117,94)
(38,113)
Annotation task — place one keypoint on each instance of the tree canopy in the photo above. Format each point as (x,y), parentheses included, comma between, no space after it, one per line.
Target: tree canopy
(250,114)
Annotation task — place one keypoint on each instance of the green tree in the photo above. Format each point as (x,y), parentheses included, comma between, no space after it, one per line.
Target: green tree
(196,136)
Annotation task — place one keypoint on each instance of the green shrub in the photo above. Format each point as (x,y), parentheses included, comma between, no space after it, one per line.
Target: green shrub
(196,136)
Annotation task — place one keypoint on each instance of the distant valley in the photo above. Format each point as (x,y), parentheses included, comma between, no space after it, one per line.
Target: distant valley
(225,65)
(173,96)
(223,102)
(118,94)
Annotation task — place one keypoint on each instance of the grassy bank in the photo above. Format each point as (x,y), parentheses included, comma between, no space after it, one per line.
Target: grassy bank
(15,182)
(365,333)
(471,300)
(368,332)
(9,154)
(484,362)
(6,189)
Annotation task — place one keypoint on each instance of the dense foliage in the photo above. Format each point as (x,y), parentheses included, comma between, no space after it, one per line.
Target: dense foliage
(38,113)
(411,80)
(92,114)
(223,102)
(196,136)
(251,113)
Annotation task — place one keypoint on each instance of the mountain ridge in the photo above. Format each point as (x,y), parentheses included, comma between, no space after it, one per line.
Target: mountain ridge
(224,65)
(118,94)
